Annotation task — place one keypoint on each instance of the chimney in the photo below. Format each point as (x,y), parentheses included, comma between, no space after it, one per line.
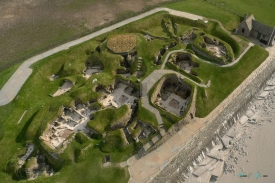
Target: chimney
(245,16)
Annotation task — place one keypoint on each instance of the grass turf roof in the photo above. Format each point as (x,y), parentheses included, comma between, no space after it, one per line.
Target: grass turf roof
(122,43)
(103,118)
(146,116)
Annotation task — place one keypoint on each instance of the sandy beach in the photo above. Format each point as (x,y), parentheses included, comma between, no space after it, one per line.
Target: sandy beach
(245,154)
(255,148)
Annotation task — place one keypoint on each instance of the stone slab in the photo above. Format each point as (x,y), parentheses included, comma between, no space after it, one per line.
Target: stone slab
(263,94)
(243,119)
(249,113)
(226,140)
(234,132)
(202,169)
(218,169)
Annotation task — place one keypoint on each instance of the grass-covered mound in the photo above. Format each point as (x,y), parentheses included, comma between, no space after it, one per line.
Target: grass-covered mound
(194,62)
(114,141)
(86,158)
(135,131)
(104,118)
(201,41)
(146,116)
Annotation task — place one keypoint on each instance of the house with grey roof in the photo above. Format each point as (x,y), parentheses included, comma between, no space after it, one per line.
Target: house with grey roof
(250,27)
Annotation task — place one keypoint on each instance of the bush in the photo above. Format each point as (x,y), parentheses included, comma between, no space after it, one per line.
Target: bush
(81,138)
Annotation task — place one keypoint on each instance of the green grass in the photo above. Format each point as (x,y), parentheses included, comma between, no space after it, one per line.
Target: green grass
(201,7)
(134,132)
(263,12)
(114,141)
(104,118)
(146,116)
(225,80)
(89,161)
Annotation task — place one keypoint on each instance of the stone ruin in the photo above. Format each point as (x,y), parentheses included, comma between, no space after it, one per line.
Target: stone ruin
(72,120)
(188,37)
(128,59)
(53,77)
(148,37)
(67,86)
(140,130)
(123,93)
(162,51)
(37,166)
(183,61)
(214,46)
(173,95)
(95,68)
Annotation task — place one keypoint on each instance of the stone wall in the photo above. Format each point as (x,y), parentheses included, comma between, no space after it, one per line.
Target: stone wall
(176,127)
(199,52)
(158,88)
(126,82)
(215,128)
(242,26)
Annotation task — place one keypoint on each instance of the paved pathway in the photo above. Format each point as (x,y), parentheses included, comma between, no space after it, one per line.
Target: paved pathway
(14,84)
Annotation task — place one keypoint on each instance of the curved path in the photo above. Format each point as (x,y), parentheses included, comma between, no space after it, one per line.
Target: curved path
(14,84)
(218,65)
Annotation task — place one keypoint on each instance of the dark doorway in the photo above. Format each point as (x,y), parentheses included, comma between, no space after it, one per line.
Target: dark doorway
(243,30)
(259,36)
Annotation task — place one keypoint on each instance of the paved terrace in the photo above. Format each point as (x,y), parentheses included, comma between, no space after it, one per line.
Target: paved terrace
(14,84)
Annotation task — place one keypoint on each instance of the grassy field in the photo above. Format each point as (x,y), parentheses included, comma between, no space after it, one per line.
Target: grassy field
(263,10)
(203,8)
(225,80)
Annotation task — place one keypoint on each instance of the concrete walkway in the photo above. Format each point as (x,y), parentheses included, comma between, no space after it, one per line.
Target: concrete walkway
(14,84)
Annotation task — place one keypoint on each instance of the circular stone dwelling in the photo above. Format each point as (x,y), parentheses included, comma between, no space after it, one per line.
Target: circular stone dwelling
(122,43)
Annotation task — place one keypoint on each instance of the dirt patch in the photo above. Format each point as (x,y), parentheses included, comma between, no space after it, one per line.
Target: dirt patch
(28,27)
(122,43)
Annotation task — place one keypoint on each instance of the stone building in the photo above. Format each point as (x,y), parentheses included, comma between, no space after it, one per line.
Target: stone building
(249,27)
